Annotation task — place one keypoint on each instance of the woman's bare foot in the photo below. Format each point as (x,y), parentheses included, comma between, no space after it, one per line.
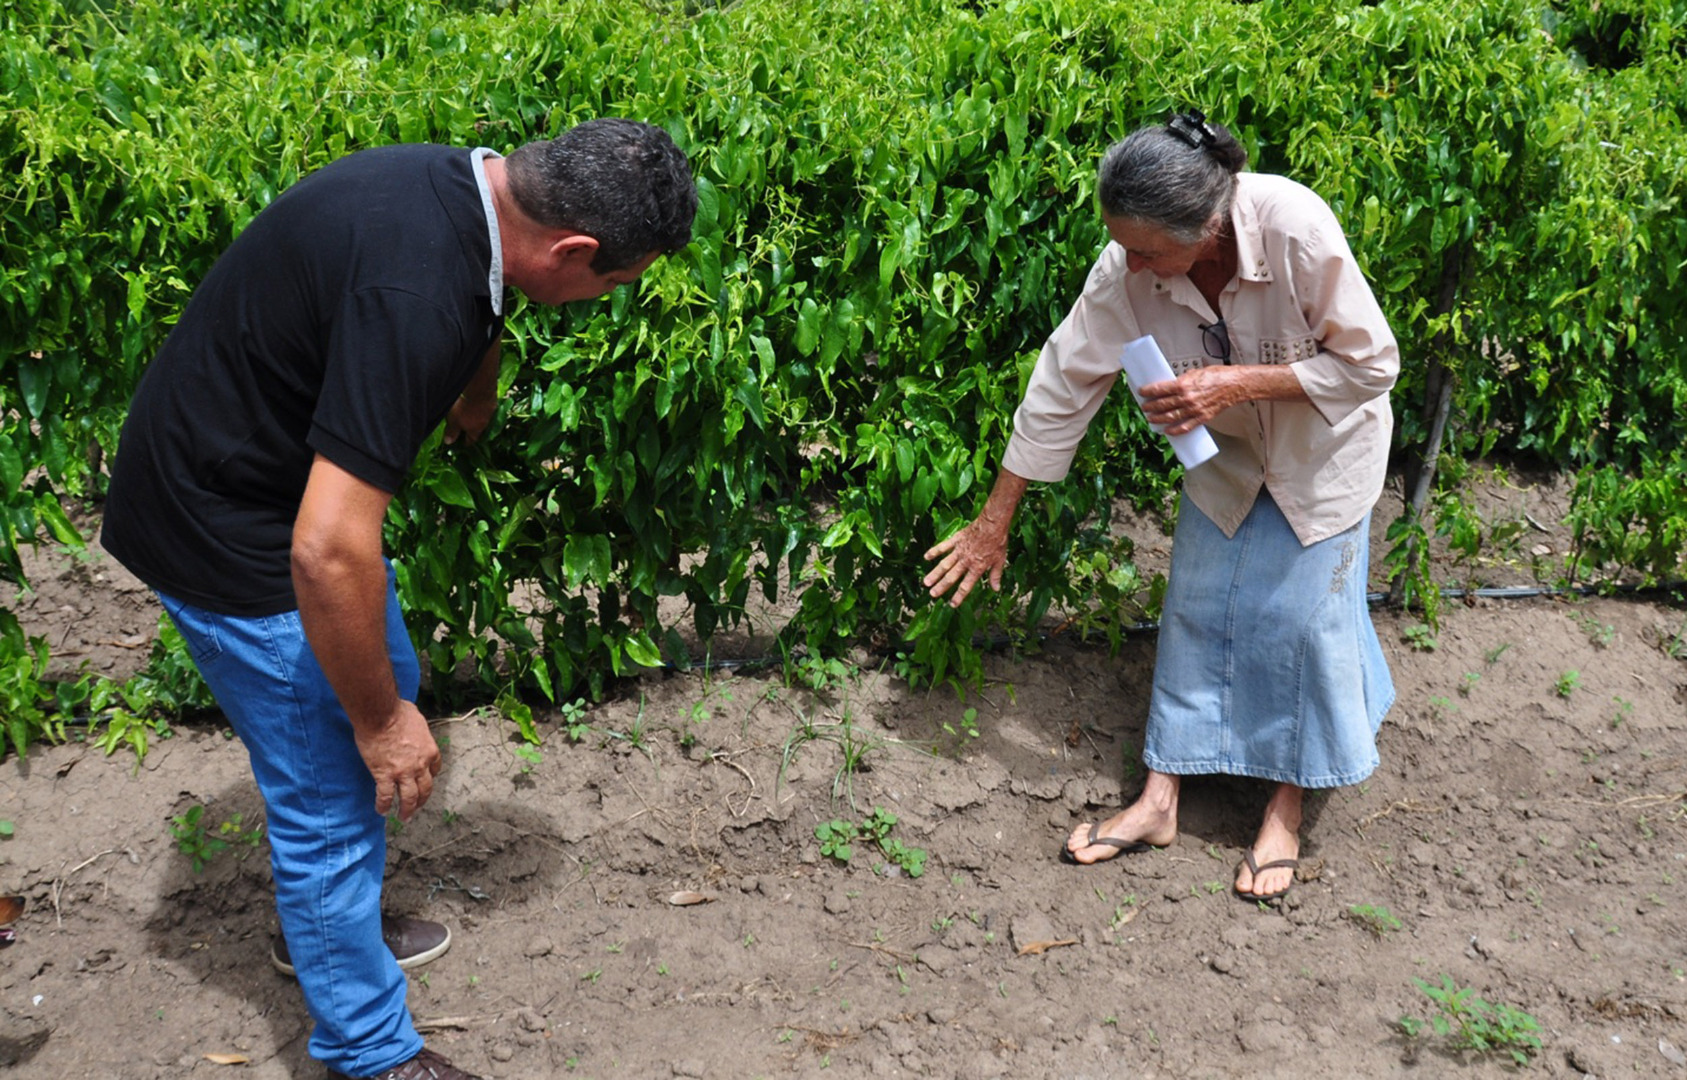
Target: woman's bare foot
(1278,839)
(1151,819)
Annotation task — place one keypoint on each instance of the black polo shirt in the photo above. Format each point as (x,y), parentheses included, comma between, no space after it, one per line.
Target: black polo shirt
(344,320)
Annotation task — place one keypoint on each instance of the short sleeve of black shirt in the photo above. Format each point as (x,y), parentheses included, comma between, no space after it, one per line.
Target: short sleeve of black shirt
(378,402)
(344,321)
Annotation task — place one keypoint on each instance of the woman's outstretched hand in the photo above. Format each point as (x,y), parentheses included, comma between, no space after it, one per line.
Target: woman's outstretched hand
(979,551)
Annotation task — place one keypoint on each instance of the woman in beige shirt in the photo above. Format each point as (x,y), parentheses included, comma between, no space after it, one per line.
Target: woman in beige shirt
(1268,665)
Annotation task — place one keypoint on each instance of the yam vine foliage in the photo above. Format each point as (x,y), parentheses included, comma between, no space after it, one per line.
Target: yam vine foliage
(897,206)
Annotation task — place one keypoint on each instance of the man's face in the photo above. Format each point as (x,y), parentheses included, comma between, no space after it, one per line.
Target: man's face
(1151,249)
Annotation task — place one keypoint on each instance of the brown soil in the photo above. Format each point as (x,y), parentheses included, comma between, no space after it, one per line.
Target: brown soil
(1526,843)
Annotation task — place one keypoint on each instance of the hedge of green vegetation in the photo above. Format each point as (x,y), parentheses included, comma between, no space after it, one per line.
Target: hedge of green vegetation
(897,206)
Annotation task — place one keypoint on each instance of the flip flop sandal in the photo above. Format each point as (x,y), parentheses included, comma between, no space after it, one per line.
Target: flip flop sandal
(1126,847)
(1255,870)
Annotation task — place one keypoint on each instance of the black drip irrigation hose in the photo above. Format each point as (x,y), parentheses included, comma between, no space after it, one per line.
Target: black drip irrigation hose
(1497,592)
(998,641)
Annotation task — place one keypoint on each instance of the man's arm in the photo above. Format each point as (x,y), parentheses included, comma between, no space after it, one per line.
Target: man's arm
(341,585)
(472,411)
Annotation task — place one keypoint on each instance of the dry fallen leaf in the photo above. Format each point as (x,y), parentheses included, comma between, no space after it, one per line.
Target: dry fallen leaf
(685,898)
(227,1059)
(1032,948)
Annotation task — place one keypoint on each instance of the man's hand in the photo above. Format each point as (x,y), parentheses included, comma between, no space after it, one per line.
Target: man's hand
(468,419)
(403,758)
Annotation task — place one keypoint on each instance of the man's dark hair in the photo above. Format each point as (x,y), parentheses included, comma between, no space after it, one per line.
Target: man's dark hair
(622,182)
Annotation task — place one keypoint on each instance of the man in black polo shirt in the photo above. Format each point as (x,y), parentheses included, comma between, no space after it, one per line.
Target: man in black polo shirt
(351,317)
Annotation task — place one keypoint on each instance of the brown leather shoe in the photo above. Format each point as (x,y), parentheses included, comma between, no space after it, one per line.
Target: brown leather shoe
(412,942)
(424,1066)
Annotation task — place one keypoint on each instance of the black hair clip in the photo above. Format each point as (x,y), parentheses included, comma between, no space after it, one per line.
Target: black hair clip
(1193,129)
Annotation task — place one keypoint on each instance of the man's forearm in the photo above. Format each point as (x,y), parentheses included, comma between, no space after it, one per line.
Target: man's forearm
(342,605)
(483,385)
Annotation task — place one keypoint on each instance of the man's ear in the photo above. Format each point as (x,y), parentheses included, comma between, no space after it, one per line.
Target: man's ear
(574,248)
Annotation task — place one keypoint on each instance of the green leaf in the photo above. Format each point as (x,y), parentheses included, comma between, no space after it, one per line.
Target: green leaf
(34,379)
(641,650)
(447,485)
(52,515)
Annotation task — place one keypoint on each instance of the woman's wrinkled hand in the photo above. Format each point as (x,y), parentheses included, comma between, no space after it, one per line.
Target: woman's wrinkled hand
(1185,403)
(978,552)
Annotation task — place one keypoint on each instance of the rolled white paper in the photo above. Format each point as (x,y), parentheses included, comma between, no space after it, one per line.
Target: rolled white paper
(1144,363)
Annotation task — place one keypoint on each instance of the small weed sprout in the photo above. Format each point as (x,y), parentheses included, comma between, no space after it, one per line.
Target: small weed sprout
(1421,637)
(1567,683)
(820,674)
(838,838)
(201,844)
(1471,678)
(572,717)
(1601,634)
(966,727)
(530,756)
(1624,708)
(1375,918)
(1469,1023)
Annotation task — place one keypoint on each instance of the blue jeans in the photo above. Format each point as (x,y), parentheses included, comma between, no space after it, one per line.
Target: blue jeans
(328,846)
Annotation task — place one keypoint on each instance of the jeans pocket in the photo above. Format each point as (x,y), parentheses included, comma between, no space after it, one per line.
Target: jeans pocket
(198,629)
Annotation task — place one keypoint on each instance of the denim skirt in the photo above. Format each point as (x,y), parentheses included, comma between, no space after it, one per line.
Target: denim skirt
(1268,665)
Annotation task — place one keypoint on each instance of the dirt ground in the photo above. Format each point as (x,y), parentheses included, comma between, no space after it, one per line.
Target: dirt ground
(1525,838)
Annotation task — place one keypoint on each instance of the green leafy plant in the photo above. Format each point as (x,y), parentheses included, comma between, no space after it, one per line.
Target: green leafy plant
(1467,1022)
(1567,683)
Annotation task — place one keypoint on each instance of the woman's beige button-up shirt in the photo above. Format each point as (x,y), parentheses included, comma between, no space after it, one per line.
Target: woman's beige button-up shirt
(1299,299)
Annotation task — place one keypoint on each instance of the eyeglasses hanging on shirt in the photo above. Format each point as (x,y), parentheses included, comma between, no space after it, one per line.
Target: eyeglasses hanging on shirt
(1215,339)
